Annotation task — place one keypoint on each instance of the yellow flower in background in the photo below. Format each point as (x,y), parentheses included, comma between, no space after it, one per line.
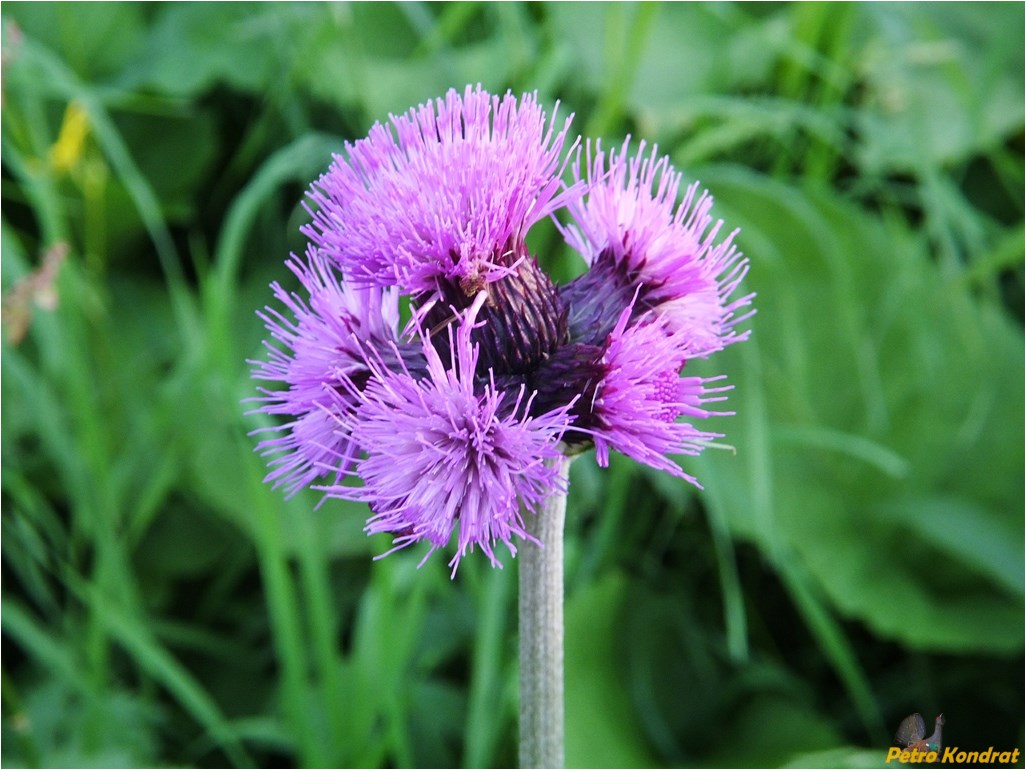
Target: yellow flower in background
(67,150)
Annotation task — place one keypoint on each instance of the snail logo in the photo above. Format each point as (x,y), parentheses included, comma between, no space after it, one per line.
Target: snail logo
(912,747)
(911,731)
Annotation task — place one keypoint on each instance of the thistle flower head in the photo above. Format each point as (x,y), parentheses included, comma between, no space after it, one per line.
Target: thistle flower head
(447,428)
(631,229)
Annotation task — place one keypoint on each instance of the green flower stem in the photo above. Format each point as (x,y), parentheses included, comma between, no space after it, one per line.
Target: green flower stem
(541,633)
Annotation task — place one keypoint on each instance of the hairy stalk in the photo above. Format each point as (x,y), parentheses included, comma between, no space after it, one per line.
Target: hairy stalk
(541,634)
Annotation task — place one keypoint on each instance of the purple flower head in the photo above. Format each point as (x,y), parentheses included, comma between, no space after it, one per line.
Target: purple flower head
(319,345)
(449,452)
(641,395)
(447,428)
(445,193)
(631,231)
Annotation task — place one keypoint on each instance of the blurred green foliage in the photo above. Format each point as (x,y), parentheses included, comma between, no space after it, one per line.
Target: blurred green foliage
(857,558)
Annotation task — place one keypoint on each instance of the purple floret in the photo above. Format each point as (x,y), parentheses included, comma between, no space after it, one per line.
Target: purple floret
(449,452)
(321,340)
(443,193)
(631,231)
(638,406)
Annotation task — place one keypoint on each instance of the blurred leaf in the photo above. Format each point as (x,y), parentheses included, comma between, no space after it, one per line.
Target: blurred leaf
(153,658)
(767,731)
(687,53)
(693,50)
(39,643)
(887,354)
(491,667)
(32,533)
(63,724)
(601,730)
(176,153)
(182,543)
(968,533)
(190,47)
(945,60)
(847,756)
(97,40)
(435,732)
(217,450)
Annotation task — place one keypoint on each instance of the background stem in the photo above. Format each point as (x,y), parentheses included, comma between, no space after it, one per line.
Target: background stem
(541,634)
